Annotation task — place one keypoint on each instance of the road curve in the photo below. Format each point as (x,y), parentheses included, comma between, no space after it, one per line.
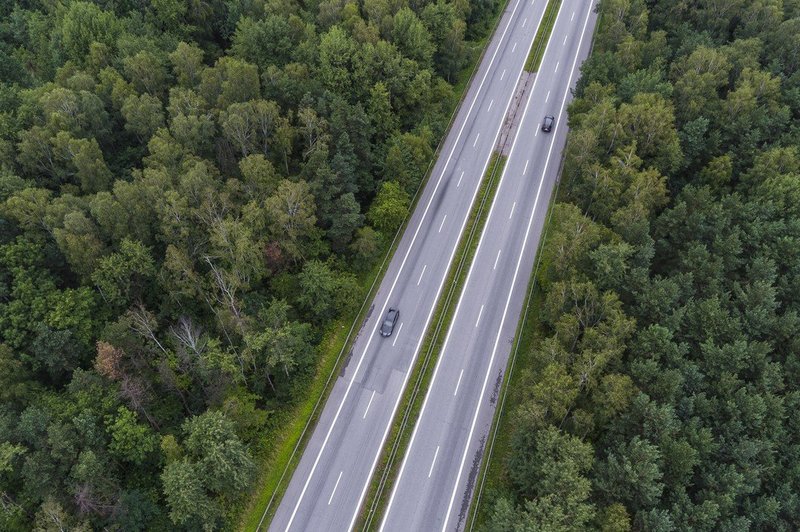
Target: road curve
(332,477)
(434,485)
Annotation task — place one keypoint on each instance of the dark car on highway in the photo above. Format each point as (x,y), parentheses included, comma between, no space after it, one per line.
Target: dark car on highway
(547,123)
(388,324)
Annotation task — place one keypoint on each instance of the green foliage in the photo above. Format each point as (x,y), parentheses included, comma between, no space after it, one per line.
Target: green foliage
(229,81)
(322,292)
(263,42)
(85,23)
(407,159)
(120,276)
(292,220)
(283,346)
(390,208)
(411,37)
(213,444)
(130,441)
(663,367)
(216,466)
(143,115)
(189,503)
(184,188)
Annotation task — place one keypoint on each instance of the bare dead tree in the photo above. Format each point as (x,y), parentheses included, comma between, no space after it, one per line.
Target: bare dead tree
(89,501)
(114,364)
(189,335)
(227,289)
(144,323)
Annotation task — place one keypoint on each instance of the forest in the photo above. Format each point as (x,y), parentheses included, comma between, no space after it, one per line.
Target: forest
(662,386)
(190,193)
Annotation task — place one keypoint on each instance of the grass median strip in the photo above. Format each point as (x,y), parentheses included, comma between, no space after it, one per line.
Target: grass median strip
(542,36)
(403,424)
(295,425)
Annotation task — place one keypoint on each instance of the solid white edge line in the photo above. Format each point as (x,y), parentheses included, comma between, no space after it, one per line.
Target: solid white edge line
(450,329)
(396,336)
(516,271)
(459,382)
(480,313)
(334,488)
(394,283)
(370,399)
(434,461)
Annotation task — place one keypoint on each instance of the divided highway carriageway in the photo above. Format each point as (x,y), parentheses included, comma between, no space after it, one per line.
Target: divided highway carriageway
(436,479)
(330,482)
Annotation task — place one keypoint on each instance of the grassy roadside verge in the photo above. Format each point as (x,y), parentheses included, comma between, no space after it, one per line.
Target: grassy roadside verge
(296,423)
(281,457)
(542,36)
(402,425)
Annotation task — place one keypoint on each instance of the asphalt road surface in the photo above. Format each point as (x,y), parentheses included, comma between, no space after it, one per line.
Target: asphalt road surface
(332,477)
(435,483)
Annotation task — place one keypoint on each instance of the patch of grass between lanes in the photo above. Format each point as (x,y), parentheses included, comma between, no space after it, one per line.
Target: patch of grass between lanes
(542,36)
(411,403)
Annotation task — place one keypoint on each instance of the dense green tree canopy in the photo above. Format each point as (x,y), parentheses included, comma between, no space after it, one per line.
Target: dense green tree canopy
(189,192)
(664,357)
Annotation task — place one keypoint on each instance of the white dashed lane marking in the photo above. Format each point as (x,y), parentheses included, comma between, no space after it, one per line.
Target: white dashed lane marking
(336,486)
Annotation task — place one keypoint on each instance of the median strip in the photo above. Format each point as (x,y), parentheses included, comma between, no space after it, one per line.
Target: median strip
(402,425)
(542,36)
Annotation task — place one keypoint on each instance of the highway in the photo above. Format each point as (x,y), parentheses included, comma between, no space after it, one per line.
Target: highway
(331,480)
(435,482)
